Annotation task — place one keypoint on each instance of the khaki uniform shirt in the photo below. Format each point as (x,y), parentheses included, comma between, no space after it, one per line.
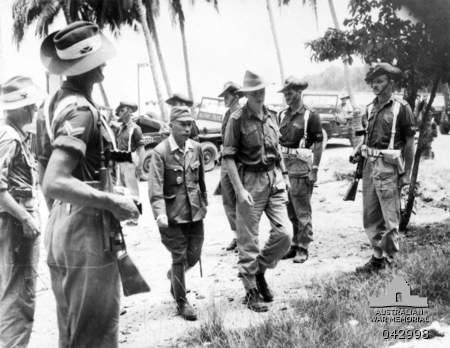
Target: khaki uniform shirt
(292,127)
(250,140)
(379,124)
(123,137)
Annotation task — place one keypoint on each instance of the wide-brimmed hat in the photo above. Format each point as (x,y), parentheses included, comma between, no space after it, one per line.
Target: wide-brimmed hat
(230,87)
(19,91)
(76,49)
(383,68)
(131,105)
(252,82)
(181,113)
(293,82)
(179,98)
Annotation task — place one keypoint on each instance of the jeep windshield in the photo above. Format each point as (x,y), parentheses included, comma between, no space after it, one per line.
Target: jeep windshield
(211,109)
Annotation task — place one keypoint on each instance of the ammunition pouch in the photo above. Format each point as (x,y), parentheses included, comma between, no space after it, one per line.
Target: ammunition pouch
(394,158)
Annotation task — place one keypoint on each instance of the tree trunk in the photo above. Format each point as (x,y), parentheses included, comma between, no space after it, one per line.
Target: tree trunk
(406,214)
(446,94)
(356,118)
(186,60)
(152,60)
(162,64)
(275,39)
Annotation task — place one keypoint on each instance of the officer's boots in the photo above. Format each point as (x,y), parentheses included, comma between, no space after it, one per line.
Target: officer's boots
(374,265)
(178,288)
(253,301)
(263,288)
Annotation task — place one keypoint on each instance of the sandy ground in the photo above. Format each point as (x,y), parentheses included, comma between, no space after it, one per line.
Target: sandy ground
(150,320)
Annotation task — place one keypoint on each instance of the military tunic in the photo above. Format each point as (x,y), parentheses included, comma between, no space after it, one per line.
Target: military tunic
(292,129)
(177,190)
(18,254)
(381,196)
(253,144)
(80,267)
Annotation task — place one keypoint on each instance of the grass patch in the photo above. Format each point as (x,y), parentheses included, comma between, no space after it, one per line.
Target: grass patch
(336,311)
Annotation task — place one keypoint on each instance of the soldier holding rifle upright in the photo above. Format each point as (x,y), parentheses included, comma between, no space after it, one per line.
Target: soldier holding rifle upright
(19,214)
(301,145)
(81,264)
(251,144)
(387,152)
(177,193)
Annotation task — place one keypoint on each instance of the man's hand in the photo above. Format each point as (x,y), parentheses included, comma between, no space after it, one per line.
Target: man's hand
(287,182)
(162,221)
(123,207)
(313,176)
(245,197)
(30,227)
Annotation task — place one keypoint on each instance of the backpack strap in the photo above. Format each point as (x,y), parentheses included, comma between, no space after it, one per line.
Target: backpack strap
(395,111)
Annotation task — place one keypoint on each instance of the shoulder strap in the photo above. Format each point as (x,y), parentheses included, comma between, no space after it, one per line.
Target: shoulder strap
(305,136)
(130,135)
(369,110)
(395,111)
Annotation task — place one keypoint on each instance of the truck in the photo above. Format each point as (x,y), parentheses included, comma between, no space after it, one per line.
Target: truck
(326,104)
(208,119)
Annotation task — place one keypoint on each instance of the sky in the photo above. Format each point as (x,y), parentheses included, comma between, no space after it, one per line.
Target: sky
(222,45)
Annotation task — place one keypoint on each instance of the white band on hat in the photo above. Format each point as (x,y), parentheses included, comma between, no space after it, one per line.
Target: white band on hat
(18,95)
(81,48)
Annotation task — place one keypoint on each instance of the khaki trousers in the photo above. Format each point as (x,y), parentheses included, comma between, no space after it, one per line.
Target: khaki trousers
(269,197)
(228,198)
(381,206)
(85,278)
(18,263)
(299,210)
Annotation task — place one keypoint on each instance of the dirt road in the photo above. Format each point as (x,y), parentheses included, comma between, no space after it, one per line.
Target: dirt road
(149,320)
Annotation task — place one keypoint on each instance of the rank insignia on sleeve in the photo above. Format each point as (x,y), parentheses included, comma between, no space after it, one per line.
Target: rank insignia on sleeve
(72,131)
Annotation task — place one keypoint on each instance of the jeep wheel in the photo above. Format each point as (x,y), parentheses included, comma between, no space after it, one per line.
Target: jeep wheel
(325,139)
(210,153)
(444,127)
(146,165)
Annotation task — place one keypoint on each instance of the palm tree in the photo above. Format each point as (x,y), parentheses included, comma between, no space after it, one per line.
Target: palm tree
(152,7)
(177,13)
(105,13)
(275,39)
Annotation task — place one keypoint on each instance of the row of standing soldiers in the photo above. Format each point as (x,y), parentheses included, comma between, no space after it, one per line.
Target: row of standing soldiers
(265,156)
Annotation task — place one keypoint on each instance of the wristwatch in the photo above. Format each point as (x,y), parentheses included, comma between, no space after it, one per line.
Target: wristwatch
(315,167)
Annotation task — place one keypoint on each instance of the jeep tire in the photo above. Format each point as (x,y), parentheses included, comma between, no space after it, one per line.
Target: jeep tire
(210,155)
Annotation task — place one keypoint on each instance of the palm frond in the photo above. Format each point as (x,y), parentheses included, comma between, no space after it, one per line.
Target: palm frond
(48,13)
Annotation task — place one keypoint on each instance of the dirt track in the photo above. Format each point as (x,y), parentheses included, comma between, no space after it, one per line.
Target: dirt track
(149,320)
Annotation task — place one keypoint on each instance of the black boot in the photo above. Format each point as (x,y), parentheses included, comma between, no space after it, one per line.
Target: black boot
(374,265)
(179,291)
(263,288)
(291,253)
(253,301)
(301,255)
(232,245)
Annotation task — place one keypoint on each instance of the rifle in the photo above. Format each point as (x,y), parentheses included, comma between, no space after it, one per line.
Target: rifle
(351,191)
(132,280)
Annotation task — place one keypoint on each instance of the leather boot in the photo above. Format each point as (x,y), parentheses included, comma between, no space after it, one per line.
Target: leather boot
(301,255)
(232,245)
(374,265)
(253,301)
(291,253)
(187,312)
(263,288)
(178,284)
